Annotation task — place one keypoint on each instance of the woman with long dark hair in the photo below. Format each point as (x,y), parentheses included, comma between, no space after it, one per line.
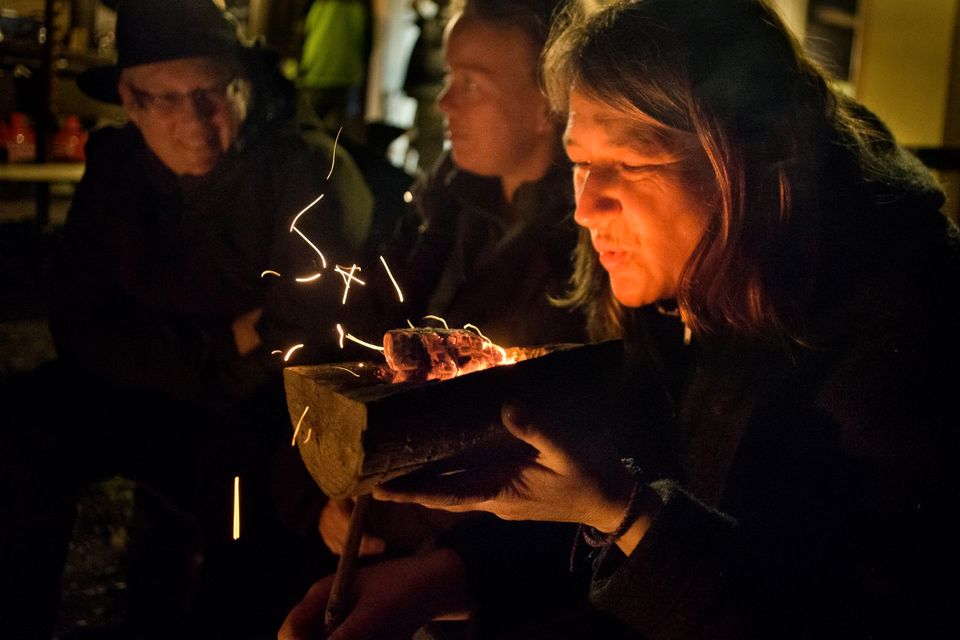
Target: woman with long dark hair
(781,274)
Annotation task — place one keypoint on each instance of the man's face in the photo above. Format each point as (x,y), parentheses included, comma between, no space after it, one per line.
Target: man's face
(189,110)
(495,112)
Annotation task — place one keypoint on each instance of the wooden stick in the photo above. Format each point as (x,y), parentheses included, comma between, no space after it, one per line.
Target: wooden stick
(338,601)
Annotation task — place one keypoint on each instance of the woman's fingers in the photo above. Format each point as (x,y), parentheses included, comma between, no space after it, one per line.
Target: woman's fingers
(522,423)
(453,490)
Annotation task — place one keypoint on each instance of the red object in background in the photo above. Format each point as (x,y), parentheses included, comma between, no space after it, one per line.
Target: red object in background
(21,140)
(69,141)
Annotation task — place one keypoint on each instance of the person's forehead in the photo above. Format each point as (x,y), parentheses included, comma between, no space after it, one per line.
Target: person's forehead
(633,131)
(617,128)
(486,46)
(178,75)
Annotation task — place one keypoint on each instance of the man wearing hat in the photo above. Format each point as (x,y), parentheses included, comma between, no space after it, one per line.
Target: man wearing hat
(164,326)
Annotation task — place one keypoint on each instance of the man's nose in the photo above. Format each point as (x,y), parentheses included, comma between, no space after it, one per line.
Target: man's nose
(596,199)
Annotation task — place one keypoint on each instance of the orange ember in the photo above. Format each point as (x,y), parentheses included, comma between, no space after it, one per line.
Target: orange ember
(439,354)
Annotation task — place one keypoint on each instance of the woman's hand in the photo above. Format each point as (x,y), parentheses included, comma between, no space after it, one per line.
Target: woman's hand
(390,599)
(590,487)
(334,524)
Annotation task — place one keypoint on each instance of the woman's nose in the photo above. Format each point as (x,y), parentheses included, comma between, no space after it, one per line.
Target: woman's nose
(445,99)
(596,202)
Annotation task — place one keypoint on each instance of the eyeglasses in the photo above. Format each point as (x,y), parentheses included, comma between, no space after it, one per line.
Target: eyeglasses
(204,99)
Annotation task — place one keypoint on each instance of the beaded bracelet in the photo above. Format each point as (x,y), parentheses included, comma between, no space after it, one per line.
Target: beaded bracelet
(598,539)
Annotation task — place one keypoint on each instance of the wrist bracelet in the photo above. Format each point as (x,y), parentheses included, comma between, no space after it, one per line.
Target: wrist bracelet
(597,539)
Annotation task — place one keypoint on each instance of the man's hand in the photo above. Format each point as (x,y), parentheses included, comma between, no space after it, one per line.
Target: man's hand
(334,525)
(245,334)
(391,599)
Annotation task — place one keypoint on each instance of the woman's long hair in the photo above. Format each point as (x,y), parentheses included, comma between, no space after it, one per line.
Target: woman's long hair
(767,120)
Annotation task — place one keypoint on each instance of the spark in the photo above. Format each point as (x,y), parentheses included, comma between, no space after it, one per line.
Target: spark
(395,285)
(333,159)
(477,330)
(309,433)
(293,225)
(236,507)
(269,272)
(489,344)
(312,278)
(299,422)
(290,351)
(410,324)
(275,352)
(340,331)
(439,319)
(353,373)
(348,278)
(293,228)
(312,246)
(361,342)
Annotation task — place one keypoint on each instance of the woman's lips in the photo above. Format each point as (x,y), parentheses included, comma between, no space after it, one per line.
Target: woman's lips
(612,259)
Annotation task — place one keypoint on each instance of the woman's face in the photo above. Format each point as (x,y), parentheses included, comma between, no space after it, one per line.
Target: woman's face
(495,114)
(644,197)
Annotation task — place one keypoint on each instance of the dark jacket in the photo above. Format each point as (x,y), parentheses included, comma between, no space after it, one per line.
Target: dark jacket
(814,483)
(478,259)
(154,268)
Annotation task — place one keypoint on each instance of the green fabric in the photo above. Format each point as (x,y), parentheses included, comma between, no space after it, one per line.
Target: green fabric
(334,43)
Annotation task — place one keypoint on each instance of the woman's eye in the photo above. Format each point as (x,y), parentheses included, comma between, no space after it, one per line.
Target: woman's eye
(634,168)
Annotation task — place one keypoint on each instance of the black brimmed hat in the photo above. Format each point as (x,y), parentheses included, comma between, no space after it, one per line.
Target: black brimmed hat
(161,30)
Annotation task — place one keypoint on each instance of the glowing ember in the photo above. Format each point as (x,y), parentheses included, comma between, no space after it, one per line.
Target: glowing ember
(269,272)
(439,354)
(310,278)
